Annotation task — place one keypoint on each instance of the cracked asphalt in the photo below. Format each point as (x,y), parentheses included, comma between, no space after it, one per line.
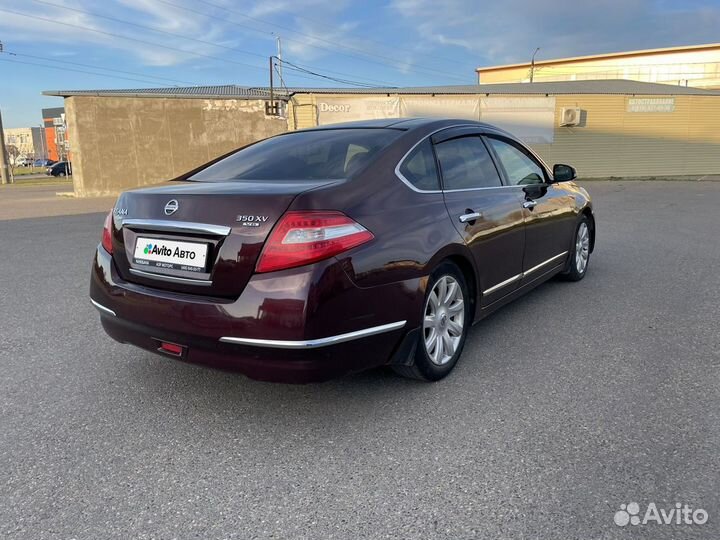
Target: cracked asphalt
(567,403)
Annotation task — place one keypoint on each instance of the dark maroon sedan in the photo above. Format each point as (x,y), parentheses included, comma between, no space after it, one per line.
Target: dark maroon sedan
(320,252)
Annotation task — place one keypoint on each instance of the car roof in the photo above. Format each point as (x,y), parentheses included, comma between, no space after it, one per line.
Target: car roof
(405,124)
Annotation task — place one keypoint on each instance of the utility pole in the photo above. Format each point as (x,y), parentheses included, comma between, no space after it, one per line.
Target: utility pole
(42,142)
(532,65)
(3,156)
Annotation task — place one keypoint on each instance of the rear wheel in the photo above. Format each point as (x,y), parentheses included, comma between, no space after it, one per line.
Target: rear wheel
(446,320)
(580,256)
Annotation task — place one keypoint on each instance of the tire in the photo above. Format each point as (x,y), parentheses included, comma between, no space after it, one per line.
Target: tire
(445,321)
(580,256)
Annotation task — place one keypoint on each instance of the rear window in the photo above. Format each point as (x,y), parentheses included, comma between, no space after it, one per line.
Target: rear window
(311,155)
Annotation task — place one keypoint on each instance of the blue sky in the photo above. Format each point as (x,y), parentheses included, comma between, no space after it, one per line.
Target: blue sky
(154,43)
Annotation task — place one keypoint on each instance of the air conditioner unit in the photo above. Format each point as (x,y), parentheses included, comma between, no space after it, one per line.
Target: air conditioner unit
(570,117)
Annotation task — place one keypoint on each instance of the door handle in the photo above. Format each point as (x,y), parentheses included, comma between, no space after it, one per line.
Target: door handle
(472,216)
(530,204)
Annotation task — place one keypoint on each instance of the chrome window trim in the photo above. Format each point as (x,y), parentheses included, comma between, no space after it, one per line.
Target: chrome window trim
(315,343)
(483,131)
(165,225)
(102,309)
(171,279)
(524,274)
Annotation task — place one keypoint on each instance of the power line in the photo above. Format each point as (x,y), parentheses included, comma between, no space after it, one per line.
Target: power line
(263,21)
(151,28)
(295,67)
(355,34)
(100,67)
(87,28)
(393,62)
(82,71)
(181,36)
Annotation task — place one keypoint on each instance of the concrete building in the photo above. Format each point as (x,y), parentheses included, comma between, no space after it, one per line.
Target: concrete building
(129,138)
(27,142)
(697,66)
(609,128)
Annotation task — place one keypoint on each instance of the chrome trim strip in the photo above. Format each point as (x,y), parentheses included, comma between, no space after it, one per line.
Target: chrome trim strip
(102,309)
(171,279)
(551,259)
(523,274)
(176,226)
(502,284)
(315,343)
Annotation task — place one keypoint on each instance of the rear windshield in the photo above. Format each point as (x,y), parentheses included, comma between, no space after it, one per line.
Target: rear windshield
(311,155)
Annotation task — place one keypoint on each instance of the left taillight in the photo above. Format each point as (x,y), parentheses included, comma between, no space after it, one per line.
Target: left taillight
(301,238)
(107,233)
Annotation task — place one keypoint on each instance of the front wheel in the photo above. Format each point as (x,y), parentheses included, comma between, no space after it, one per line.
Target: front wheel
(445,324)
(580,256)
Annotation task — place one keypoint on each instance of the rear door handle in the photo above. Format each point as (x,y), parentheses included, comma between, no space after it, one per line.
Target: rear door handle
(472,216)
(530,204)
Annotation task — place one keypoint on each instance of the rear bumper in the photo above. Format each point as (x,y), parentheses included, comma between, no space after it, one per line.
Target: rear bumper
(301,325)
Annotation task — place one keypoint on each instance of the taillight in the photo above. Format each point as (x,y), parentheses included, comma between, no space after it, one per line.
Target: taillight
(301,238)
(107,233)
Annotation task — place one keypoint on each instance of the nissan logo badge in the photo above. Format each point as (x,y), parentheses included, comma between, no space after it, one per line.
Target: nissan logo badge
(171,207)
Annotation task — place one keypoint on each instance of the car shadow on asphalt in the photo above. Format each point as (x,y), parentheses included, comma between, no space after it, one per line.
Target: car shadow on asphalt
(484,362)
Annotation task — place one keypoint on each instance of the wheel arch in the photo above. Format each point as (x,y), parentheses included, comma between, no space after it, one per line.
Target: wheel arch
(468,272)
(587,212)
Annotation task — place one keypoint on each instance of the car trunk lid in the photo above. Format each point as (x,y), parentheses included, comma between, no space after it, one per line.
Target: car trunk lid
(199,237)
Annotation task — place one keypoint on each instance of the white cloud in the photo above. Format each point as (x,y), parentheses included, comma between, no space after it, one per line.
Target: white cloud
(509,31)
(61,26)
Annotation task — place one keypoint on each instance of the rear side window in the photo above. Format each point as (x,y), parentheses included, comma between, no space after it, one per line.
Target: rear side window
(311,155)
(419,168)
(519,167)
(465,163)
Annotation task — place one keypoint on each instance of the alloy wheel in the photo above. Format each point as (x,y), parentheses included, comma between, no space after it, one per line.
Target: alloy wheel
(444,320)
(582,248)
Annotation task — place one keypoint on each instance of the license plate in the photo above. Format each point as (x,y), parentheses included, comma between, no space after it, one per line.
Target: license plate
(169,254)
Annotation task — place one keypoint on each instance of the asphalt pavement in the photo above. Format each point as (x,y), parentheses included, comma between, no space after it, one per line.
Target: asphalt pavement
(568,403)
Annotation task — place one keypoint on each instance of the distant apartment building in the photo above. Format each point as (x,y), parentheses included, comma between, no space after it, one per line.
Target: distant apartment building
(696,66)
(25,142)
(56,134)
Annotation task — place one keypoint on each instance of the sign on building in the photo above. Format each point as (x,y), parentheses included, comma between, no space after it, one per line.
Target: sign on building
(528,118)
(333,110)
(531,119)
(651,105)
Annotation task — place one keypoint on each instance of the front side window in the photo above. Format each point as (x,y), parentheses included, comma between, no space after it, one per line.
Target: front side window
(519,167)
(419,168)
(312,155)
(465,163)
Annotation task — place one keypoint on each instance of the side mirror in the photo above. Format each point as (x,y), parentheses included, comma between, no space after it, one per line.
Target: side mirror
(563,173)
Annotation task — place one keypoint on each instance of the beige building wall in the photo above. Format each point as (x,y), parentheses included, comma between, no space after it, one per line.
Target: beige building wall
(697,67)
(26,140)
(126,142)
(611,141)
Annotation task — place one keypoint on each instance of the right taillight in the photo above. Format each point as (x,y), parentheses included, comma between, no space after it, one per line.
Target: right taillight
(107,233)
(301,238)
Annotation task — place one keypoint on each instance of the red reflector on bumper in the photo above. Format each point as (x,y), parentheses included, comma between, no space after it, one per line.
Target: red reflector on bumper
(171,348)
